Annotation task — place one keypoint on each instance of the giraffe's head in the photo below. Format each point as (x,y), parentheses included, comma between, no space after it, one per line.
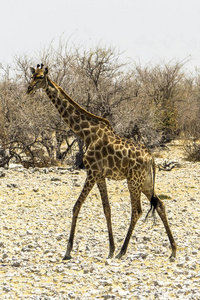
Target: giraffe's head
(38,79)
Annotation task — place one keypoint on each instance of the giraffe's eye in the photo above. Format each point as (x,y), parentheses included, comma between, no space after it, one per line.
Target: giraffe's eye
(41,77)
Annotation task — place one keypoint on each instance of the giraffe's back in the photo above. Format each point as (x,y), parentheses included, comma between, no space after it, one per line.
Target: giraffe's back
(116,158)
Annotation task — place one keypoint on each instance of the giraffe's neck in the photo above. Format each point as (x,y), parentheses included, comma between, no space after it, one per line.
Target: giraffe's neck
(86,125)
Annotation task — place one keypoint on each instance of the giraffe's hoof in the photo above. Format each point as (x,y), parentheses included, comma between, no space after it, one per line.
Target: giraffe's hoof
(172,257)
(119,256)
(110,255)
(67,257)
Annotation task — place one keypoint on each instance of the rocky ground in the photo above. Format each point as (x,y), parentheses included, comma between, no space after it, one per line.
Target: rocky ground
(35,217)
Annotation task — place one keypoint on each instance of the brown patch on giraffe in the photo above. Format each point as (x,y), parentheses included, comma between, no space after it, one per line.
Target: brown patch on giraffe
(71,119)
(93,123)
(111,139)
(119,154)
(77,119)
(117,141)
(88,140)
(140,160)
(132,154)
(61,109)
(137,153)
(58,101)
(70,109)
(105,141)
(104,151)
(86,131)
(110,149)
(115,170)
(83,118)
(109,173)
(90,159)
(93,130)
(125,152)
(138,148)
(98,155)
(102,126)
(64,103)
(95,167)
(117,162)
(65,114)
(77,128)
(100,133)
(110,161)
(125,162)
(85,125)
(98,147)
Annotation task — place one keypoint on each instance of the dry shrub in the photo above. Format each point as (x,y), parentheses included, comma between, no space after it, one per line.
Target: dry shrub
(148,104)
(192,151)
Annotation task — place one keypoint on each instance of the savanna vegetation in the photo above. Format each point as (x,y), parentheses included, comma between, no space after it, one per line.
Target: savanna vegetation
(152,104)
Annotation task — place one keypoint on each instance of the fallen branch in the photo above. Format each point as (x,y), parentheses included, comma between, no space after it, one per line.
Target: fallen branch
(168,166)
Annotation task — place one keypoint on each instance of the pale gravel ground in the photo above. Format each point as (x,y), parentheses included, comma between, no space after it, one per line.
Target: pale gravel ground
(35,217)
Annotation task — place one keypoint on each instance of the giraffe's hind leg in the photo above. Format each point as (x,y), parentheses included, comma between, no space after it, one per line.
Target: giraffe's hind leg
(162,213)
(160,208)
(136,211)
(106,207)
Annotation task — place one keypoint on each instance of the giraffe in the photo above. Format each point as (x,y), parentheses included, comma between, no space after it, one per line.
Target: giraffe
(107,156)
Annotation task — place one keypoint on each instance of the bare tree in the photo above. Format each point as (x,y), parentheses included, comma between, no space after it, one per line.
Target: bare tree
(149,104)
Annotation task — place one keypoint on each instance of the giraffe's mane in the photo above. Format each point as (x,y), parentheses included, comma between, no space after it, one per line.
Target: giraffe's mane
(81,109)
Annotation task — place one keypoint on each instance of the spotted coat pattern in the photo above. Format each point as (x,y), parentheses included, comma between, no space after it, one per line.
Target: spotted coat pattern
(108,156)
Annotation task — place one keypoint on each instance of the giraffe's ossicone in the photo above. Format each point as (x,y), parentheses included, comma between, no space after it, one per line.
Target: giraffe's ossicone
(108,156)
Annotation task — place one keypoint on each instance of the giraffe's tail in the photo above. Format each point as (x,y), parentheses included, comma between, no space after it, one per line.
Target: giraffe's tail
(154,198)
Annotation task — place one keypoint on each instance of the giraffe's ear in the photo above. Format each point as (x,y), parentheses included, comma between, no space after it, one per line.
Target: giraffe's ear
(32,70)
(46,70)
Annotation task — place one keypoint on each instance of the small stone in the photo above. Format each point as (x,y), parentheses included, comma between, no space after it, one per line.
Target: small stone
(60,269)
(138,255)
(26,249)
(55,179)
(71,295)
(105,282)
(123,293)
(5,255)
(193,199)
(36,189)
(12,185)
(59,237)
(147,238)
(180,264)
(158,283)
(108,297)
(2,174)
(6,289)
(30,232)
(53,259)
(16,264)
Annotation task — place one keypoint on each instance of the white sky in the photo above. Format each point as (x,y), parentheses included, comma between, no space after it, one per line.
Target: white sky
(147,30)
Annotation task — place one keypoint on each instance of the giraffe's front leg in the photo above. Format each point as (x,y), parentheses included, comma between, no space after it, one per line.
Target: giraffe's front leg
(106,206)
(89,183)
